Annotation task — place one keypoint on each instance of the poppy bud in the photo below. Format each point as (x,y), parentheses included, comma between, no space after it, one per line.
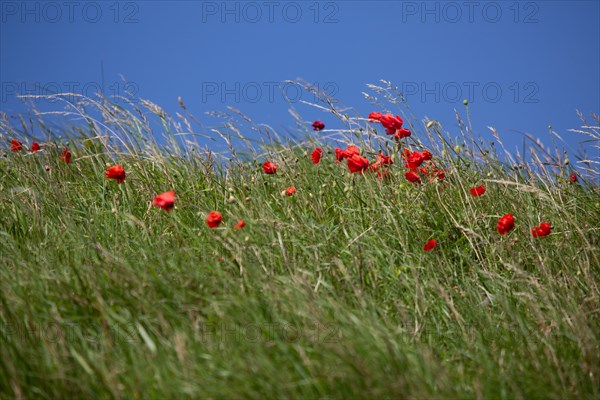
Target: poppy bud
(318,125)
(430,245)
(573,178)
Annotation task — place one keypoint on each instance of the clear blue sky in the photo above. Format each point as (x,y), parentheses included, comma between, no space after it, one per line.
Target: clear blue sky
(524,65)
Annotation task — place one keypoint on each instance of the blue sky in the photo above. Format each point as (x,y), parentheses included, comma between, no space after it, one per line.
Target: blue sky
(524,65)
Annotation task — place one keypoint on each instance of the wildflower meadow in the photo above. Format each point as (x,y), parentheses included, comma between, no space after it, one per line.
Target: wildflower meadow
(144,255)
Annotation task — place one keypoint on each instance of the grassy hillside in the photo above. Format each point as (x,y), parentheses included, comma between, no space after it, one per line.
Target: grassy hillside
(327,293)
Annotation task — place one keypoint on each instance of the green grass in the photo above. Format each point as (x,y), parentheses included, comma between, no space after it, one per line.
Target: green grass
(326,294)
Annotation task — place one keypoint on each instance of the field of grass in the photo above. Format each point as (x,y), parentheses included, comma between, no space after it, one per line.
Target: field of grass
(324,294)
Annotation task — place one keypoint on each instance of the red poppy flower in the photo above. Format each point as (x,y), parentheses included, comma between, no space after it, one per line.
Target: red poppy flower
(290,191)
(213,219)
(375,116)
(269,168)
(15,145)
(316,155)
(165,200)
(375,166)
(357,163)
(505,224)
(573,178)
(341,155)
(430,245)
(66,155)
(438,173)
(412,177)
(391,123)
(401,133)
(351,151)
(477,191)
(116,172)
(543,230)
(241,223)
(318,125)
(35,146)
(414,160)
(383,159)
(426,155)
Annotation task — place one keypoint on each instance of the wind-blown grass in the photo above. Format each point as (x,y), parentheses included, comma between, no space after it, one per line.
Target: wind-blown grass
(327,293)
